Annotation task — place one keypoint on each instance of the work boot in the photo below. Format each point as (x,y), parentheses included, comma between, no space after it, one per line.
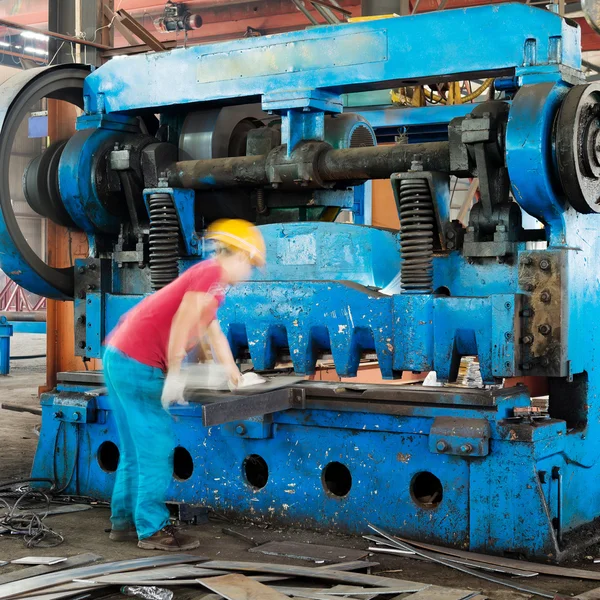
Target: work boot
(168,539)
(123,535)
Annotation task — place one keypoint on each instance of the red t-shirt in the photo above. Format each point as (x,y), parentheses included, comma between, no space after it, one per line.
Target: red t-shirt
(143,332)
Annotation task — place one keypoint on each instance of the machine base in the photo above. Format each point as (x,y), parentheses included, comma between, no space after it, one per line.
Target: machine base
(446,465)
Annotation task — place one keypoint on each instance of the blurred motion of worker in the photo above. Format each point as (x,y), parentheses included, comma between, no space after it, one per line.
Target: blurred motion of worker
(143,373)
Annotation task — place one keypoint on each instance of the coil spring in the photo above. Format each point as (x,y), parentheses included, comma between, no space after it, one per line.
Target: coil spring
(416,236)
(164,240)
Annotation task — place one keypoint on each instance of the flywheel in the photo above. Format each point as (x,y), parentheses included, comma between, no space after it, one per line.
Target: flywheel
(19,96)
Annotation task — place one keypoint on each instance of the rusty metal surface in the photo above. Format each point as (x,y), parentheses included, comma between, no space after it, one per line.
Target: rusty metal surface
(544,314)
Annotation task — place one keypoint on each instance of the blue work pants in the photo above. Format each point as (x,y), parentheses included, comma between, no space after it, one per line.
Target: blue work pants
(146,444)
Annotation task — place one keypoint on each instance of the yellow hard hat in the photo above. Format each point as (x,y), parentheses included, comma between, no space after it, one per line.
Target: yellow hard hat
(240,235)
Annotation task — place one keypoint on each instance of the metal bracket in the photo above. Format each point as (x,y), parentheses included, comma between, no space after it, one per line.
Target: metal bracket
(458,436)
(74,408)
(237,408)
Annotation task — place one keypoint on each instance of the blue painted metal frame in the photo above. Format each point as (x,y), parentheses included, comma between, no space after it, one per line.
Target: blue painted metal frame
(28,326)
(359,56)
(6,332)
(319,294)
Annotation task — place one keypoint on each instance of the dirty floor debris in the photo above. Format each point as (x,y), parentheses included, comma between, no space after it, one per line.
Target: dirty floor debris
(84,532)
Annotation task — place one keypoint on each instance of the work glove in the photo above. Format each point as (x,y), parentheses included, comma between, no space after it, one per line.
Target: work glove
(207,376)
(173,389)
(247,380)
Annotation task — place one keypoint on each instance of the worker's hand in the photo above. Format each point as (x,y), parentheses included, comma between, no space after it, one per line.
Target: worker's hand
(235,378)
(173,389)
(246,380)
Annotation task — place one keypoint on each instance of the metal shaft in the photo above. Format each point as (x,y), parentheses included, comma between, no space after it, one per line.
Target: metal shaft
(29,316)
(242,171)
(378,162)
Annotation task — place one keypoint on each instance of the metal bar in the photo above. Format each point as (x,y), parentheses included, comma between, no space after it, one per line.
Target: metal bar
(326,14)
(441,561)
(377,162)
(236,408)
(136,28)
(27,56)
(116,22)
(38,315)
(74,561)
(332,7)
(24,587)
(299,4)
(60,36)
(468,202)
(311,572)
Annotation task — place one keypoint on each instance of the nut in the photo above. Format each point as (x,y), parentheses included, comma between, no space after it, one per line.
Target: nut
(240,429)
(526,260)
(545,329)
(527,339)
(529,287)
(466,448)
(545,296)
(441,446)
(544,264)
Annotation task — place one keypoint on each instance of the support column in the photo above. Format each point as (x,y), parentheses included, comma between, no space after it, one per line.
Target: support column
(79,17)
(64,245)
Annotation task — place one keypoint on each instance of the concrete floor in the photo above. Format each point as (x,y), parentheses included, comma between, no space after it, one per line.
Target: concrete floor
(85,531)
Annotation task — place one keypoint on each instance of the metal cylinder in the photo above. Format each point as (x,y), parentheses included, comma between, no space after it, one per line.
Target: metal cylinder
(237,171)
(344,165)
(417,222)
(164,240)
(24,316)
(379,162)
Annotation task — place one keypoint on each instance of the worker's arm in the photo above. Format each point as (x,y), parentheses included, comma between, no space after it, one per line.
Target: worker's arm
(222,351)
(190,313)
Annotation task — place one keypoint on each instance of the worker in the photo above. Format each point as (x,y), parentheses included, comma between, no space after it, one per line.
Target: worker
(143,373)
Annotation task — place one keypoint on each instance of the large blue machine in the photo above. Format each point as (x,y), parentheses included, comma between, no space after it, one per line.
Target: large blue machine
(255,128)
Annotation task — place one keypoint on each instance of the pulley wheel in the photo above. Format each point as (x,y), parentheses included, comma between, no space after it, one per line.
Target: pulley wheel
(18,95)
(40,185)
(577,143)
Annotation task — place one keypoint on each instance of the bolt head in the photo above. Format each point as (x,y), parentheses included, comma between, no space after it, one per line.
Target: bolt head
(441,446)
(529,287)
(544,264)
(240,430)
(545,296)
(450,235)
(466,448)
(450,245)
(526,260)
(528,339)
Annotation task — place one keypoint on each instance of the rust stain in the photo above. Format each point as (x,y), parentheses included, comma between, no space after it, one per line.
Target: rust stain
(403,458)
